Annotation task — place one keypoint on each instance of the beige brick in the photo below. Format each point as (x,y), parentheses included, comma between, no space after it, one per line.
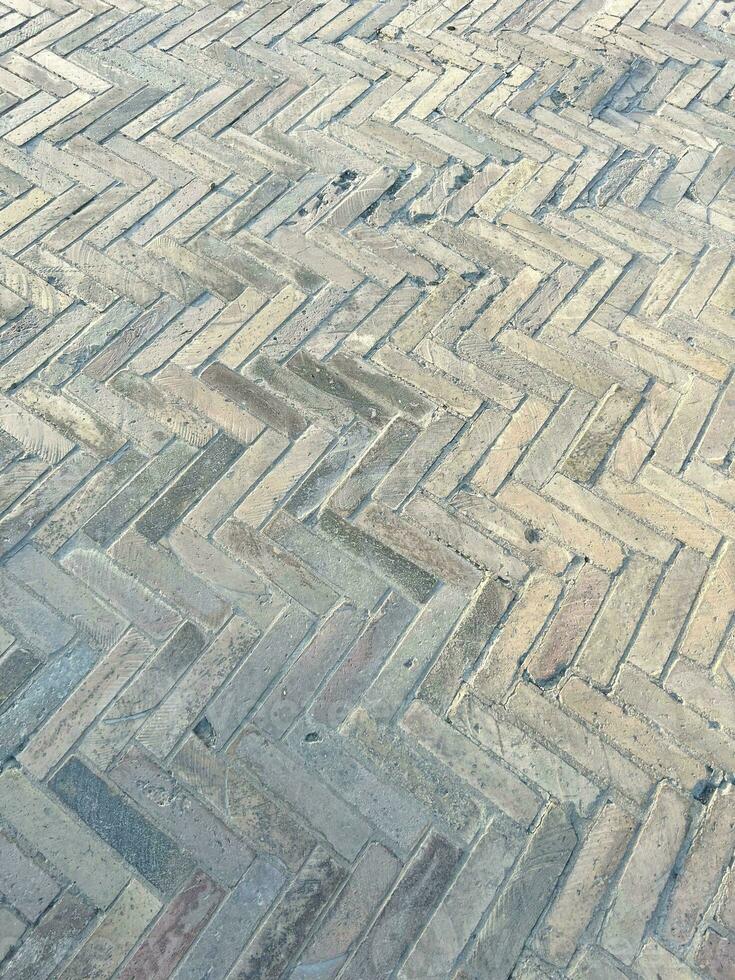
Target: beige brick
(494,679)
(482,770)
(611,519)
(571,622)
(699,876)
(645,874)
(707,743)
(577,535)
(608,766)
(712,611)
(605,644)
(631,735)
(667,614)
(593,868)
(655,961)
(510,444)
(665,516)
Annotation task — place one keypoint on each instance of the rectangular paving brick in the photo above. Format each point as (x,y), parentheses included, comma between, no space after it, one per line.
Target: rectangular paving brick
(356,670)
(234,791)
(198,477)
(421,885)
(53,939)
(284,930)
(220,942)
(150,852)
(69,722)
(223,854)
(593,868)
(175,930)
(108,944)
(16,666)
(283,774)
(470,894)
(129,710)
(523,898)
(25,885)
(645,874)
(51,684)
(373,874)
(180,708)
(482,770)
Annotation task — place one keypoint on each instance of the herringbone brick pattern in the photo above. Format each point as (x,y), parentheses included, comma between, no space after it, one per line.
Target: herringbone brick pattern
(367,502)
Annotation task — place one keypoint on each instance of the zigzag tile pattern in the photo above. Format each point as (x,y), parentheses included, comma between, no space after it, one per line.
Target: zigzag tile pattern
(367,489)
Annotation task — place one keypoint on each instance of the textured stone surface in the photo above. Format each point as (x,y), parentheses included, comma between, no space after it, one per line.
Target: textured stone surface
(367,490)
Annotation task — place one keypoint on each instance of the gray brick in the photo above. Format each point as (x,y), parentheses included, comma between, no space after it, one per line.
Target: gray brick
(151,853)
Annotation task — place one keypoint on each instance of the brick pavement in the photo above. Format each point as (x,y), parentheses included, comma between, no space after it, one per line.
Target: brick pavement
(367,504)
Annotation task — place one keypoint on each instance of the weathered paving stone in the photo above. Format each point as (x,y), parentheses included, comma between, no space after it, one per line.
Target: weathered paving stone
(472,891)
(216,458)
(350,914)
(106,812)
(284,702)
(54,937)
(176,929)
(109,942)
(329,471)
(162,574)
(702,870)
(51,684)
(288,571)
(572,621)
(416,650)
(367,490)
(260,665)
(70,597)
(422,883)
(282,773)
(35,624)
(116,513)
(655,960)
(482,770)
(331,564)
(457,809)
(367,473)
(234,791)
(68,846)
(127,713)
(645,874)
(289,923)
(523,898)
(241,586)
(398,817)
(68,723)
(134,601)
(24,884)
(16,666)
(268,407)
(178,711)
(362,662)
(12,928)
(215,847)
(414,582)
(716,955)
(220,942)
(492,729)
(465,644)
(592,870)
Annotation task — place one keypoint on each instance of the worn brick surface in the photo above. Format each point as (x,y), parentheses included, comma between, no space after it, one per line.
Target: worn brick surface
(367,489)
